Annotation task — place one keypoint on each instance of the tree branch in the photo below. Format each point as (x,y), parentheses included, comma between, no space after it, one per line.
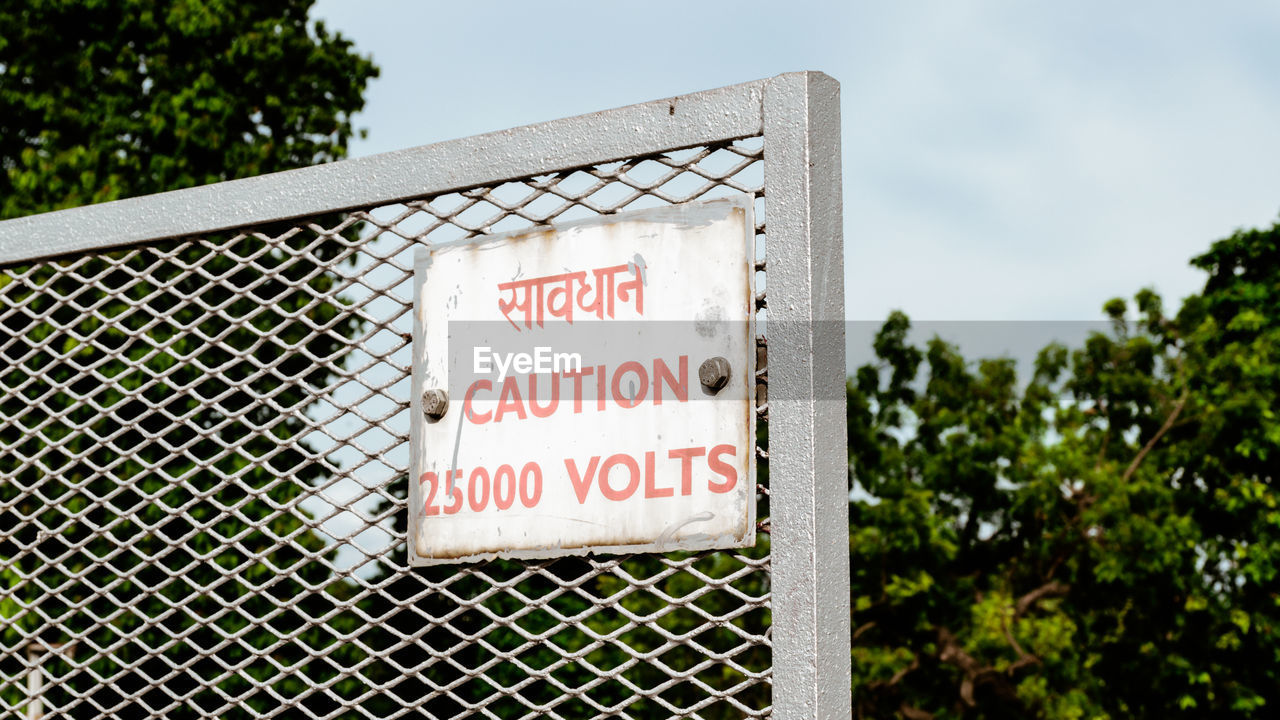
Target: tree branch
(953,654)
(1024,658)
(1049,589)
(913,713)
(1168,423)
(1023,655)
(897,677)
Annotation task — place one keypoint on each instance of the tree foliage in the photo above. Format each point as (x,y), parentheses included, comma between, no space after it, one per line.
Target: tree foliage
(1101,540)
(104,99)
(152,477)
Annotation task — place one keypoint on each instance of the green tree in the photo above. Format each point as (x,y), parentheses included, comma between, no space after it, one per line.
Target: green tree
(1100,541)
(104,99)
(149,512)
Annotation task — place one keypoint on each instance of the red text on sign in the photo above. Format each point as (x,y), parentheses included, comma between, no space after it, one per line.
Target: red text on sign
(504,486)
(628,385)
(618,477)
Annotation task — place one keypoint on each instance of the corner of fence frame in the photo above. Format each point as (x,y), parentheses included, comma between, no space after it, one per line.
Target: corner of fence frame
(807,454)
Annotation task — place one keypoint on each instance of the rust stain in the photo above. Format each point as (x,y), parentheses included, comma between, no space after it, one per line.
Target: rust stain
(623,544)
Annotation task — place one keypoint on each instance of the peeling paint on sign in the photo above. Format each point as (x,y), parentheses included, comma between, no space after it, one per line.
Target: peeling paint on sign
(626,451)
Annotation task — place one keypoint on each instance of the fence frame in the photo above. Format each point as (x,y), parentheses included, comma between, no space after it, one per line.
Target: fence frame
(798,116)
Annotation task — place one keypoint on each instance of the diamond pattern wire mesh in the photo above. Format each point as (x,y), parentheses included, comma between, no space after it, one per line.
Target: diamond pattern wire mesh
(204,445)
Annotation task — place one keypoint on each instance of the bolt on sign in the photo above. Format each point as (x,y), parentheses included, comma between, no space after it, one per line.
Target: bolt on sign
(586,387)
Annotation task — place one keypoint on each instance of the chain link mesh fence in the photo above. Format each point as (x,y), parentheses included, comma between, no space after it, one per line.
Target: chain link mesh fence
(204,447)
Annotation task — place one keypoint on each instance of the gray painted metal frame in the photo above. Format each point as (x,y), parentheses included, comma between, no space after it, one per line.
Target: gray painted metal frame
(684,121)
(808,459)
(798,116)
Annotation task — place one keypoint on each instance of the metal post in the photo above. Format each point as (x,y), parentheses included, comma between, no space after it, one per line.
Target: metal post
(35,682)
(807,454)
(36,655)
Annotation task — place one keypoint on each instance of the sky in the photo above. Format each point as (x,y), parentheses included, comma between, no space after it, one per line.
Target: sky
(1001,161)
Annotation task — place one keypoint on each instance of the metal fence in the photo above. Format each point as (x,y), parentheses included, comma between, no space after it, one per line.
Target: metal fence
(204,440)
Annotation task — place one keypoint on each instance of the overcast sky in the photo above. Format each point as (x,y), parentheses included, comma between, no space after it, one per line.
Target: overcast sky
(1002,161)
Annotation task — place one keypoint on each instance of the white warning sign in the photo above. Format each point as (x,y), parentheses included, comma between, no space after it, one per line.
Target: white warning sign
(586,387)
